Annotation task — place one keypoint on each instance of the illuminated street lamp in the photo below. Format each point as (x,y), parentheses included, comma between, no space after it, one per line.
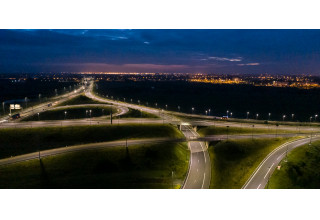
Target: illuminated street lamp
(206,112)
(131,100)
(248,114)
(156,105)
(315,117)
(179,108)
(166,107)
(209,111)
(310,119)
(227,113)
(292,115)
(192,110)
(38,116)
(231,115)
(283,117)
(65,115)
(139,102)
(269,116)
(257,115)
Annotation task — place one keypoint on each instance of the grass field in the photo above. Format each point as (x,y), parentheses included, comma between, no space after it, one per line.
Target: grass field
(232,162)
(79,100)
(133,113)
(215,130)
(301,171)
(72,113)
(140,166)
(25,140)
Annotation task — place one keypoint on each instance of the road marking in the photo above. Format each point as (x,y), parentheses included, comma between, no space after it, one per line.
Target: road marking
(281,155)
(204,177)
(268,170)
(259,186)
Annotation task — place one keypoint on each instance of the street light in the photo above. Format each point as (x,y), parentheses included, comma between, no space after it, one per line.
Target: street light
(283,117)
(209,111)
(310,119)
(139,102)
(315,117)
(156,105)
(206,112)
(65,115)
(179,108)
(192,110)
(166,107)
(292,115)
(257,115)
(38,116)
(248,115)
(227,113)
(269,116)
(231,115)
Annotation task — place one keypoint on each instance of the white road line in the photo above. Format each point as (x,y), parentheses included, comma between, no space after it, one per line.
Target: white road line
(204,177)
(281,155)
(259,186)
(268,170)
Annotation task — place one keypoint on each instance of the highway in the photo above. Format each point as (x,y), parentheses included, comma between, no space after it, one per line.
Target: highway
(51,152)
(260,177)
(199,173)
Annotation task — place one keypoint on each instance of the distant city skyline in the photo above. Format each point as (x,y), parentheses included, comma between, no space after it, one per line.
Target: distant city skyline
(185,51)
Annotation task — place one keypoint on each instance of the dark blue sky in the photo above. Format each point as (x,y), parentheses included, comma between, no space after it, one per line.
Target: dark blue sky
(209,51)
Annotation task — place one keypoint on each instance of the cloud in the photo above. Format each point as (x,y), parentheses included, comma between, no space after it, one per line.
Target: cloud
(249,64)
(238,59)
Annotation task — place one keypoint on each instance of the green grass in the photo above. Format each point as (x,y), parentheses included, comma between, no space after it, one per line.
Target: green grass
(133,113)
(72,113)
(232,162)
(79,100)
(25,140)
(301,171)
(140,166)
(214,130)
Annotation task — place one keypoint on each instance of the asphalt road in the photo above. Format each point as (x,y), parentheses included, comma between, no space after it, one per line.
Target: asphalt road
(260,177)
(199,174)
(92,146)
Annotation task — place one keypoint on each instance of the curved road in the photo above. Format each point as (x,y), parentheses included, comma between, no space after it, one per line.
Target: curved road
(260,177)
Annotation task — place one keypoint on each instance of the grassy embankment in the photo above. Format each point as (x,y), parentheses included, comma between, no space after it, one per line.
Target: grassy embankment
(215,130)
(133,113)
(232,162)
(26,140)
(140,166)
(301,171)
(79,100)
(72,113)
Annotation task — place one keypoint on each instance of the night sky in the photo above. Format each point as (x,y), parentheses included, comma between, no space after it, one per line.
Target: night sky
(207,51)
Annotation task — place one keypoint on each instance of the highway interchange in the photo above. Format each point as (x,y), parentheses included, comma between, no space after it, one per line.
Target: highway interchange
(199,172)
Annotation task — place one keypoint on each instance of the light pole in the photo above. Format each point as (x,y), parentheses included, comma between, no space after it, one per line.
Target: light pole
(269,116)
(230,114)
(227,132)
(166,107)
(179,108)
(4,111)
(56,91)
(315,118)
(192,110)
(283,117)
(156,105)
(39,98)
(206,112)
(90,116)
(227,113)
(257,115)
(209,111)
(26,101)
(292,115)
(139,102)
(248,115)
(38,116)
(65,115)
